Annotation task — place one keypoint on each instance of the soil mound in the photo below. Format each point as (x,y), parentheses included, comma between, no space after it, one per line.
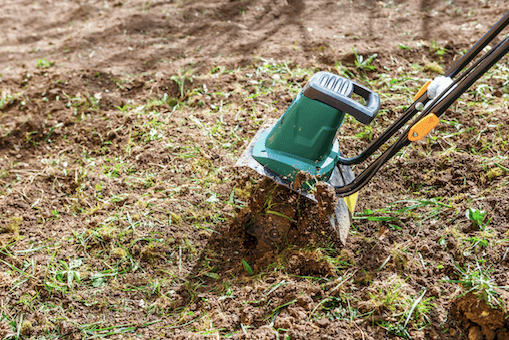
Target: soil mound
(482,320)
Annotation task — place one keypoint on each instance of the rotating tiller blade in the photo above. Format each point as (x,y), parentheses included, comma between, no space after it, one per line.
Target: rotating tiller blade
(303,139)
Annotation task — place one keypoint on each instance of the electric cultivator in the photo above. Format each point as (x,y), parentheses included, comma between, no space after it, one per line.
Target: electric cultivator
(303,140)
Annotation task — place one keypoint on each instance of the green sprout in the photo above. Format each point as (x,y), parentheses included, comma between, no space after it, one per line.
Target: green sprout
(247,267)
(44,63)
(436,48)
(362,64)
(477,218)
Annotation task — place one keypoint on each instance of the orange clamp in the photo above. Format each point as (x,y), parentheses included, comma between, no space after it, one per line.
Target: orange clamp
(422,90)
(423,127)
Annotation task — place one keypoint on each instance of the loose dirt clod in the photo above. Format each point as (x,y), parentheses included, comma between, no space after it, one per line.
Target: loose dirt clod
(487,320)
(301,178)
(327,199)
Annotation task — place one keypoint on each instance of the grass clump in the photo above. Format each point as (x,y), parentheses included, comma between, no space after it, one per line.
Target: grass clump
(106,232)
(26,328)
(433,67)
(118,253)
(12,227)
(493,173)
(388,295)
(175,219)
(476,279)
(395,298)
(10,232)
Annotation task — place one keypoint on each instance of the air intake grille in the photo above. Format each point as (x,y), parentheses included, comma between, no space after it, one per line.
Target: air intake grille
(337,84)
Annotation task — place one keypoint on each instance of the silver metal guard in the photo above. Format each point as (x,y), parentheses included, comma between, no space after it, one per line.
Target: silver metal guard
(341,175)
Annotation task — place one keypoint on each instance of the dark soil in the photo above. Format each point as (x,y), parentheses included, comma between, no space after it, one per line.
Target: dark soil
(120,124)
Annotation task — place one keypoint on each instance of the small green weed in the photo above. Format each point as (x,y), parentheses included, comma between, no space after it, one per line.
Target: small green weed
(364,65)
(44,63)
(69,273)
(477,218)
(181,81)
(247,267)
(164,100)
(436,48)
(403,47)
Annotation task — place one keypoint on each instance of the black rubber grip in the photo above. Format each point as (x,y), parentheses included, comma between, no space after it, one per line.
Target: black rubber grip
(336,91)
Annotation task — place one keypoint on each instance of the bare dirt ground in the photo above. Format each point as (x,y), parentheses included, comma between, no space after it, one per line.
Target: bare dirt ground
(122,214)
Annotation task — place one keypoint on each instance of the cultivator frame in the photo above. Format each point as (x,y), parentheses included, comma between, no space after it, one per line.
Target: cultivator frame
(303,139)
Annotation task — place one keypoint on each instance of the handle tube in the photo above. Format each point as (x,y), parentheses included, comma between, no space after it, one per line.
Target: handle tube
(377,143)
(478,47)
(486,64)
(441,105)
(411,111)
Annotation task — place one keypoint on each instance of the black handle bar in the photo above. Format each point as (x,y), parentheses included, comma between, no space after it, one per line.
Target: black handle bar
(440,105)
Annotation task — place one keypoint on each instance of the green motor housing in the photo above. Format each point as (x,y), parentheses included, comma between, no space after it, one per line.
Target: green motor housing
(303,139)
